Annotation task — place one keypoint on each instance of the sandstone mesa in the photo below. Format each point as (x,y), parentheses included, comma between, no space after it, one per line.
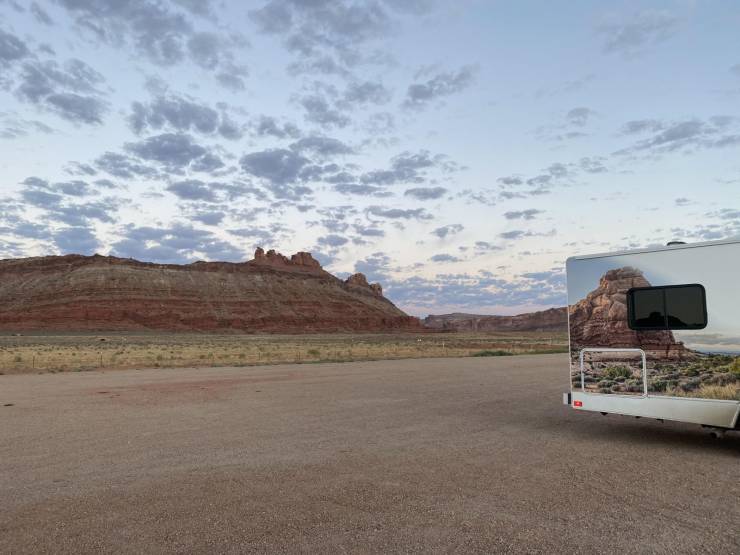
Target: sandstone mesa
(270,293)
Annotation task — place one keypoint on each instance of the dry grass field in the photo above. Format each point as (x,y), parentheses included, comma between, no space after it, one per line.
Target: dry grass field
(74,353)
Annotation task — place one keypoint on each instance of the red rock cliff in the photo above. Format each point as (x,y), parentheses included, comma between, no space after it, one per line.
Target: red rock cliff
(272,293)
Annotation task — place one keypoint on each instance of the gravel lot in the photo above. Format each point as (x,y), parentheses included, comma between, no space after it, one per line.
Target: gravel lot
(422,455)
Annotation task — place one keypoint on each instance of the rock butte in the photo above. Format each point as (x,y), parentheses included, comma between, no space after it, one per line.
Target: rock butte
(600,320)
(271,293)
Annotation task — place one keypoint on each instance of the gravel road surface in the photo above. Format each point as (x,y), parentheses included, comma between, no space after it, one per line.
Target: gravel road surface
(420,456)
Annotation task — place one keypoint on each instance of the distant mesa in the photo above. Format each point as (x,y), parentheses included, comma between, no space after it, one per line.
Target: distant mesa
(271,293)
(553,319)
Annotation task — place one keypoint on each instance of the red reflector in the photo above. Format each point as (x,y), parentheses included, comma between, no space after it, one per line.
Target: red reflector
(577,403)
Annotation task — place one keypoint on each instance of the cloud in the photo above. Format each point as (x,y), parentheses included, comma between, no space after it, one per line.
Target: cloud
(76,188)
(11,48)
(579,116)
(40,15)
(554,279)
(232,77)
(260,234)
(332,240)
(192,189)
(446,230)
(205,49)
(485,246)
(322,147)
(632,37)
(182,115)
(267,126)
(528,214)
(365,92)
(593,165)
(569,129)
(12,127)
(735,69)
(426,193)
(208,217)
(444,258)
(60,202)
(125,167)
(27,230)
(177,244)
(319,111)
(511,180)
(368,231)
(174,150)
(640,126)
(480,292)
(375,266)
(443,84)
(77,168)
(326,37)
(405,167)
(361,189)
(76,240)
(715,132)
(165,36)
(207,163)
(277,165)
(399,213)
(516,234)
(69,90)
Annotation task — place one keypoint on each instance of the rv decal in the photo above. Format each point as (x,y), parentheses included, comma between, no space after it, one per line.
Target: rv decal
(600,320)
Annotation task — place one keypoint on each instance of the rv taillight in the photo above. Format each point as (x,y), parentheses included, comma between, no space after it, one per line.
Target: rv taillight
(577,403)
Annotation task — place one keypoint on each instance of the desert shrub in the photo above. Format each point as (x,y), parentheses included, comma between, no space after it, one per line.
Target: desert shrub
(735,368)
(723,378)
(615,372)
(659,385)
(488,353)
(693,371)
(314,352)
(730,392)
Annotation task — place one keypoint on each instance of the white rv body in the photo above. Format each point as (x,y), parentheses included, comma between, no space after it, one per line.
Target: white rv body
(656,333)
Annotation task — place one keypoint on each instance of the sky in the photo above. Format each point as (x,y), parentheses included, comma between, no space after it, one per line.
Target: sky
(455,152)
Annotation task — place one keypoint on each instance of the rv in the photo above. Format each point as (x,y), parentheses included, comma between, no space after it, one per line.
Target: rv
(655,333)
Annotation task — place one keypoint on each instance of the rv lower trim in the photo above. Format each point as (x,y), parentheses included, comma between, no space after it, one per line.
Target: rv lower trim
(708,412)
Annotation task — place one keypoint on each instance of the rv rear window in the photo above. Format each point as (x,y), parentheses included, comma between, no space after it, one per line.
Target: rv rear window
(672,307)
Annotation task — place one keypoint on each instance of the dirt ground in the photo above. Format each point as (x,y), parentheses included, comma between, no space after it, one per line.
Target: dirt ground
(413,456)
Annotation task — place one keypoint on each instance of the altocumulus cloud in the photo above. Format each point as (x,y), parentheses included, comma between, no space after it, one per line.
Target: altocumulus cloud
(440,85)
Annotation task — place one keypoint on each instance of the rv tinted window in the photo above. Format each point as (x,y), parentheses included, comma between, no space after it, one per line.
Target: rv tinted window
(648,308)
(685,307)
(676,307)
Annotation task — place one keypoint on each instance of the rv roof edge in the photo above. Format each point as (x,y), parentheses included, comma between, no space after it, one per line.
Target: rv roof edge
(657,249)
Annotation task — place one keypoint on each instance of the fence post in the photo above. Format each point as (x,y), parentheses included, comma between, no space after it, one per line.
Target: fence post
(101,360)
